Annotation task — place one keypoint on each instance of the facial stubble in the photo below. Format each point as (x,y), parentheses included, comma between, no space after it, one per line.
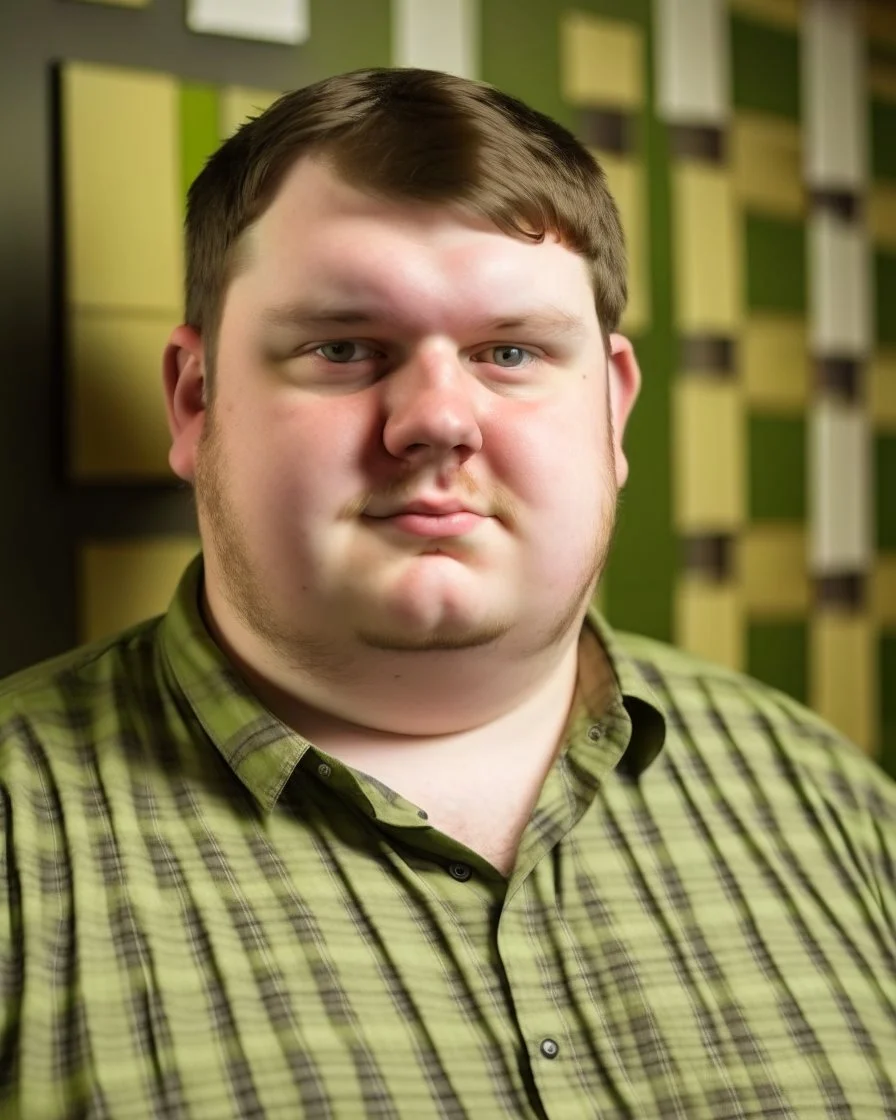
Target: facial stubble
(257,610)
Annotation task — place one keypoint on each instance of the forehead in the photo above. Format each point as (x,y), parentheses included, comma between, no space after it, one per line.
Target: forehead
(319,232)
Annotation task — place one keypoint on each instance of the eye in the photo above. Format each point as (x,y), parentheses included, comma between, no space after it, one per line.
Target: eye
(506,357)
(344,352)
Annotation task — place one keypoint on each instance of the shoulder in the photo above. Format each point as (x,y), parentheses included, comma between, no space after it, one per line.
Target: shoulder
(67,694)
(710,707)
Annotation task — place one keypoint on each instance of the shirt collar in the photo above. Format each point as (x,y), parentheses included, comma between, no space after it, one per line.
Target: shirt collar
(263,752)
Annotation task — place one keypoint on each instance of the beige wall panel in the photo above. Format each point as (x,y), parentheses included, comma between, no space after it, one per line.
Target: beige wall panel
(766,158)
(883,590)
(774,570)
(601,61)
(626,180)
(840,488)
(844,674)
(236,104)
(707,250)
(692,60)
(709,621)
(882,389)
(709,452)
(882,213)
(117,423)
(437,35)
(123,205)
(774,360)
(122,583)
(839,297)
(785,13)
(834,111)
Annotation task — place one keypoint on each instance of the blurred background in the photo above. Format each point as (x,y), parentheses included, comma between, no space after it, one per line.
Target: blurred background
(751,145)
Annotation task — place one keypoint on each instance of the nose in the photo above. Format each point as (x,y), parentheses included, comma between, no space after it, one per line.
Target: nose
(431,409)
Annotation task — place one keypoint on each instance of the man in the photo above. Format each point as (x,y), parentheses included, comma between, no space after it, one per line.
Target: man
(382,819)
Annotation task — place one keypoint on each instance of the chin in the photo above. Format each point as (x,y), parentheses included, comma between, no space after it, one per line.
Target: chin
(415,635)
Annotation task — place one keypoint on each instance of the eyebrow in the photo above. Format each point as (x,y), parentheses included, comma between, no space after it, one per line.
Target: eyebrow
(550,321)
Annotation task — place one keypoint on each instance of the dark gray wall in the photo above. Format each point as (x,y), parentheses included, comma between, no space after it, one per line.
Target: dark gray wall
(45,517)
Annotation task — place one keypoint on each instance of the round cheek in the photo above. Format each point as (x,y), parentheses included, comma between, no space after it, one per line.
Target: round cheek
(553,458)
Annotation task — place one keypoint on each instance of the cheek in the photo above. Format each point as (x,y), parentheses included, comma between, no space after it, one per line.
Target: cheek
(295,457)
(555,458)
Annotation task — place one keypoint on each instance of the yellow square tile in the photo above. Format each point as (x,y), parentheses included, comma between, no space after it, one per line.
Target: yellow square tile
(844,674)
(766,160)
(785,13)
(121,583)
(883,590)
(709,450)
(709,621)
(882,389)
(882,213)
(236,104)
(774,362)
(625,177)
(601,61)
(774,570)
(123,203)
(880,21)
(117,422)
(882,79)
(707,249)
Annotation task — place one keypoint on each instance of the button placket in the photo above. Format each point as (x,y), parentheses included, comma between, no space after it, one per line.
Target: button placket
(462,872)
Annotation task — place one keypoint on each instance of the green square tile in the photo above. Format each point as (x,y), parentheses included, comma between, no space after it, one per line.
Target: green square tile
(885,490)
(885,297)
(777,654)
(883,139)
(887,668)
(199,129)
(775,264)
(777,468)
(345,35)
(765,68)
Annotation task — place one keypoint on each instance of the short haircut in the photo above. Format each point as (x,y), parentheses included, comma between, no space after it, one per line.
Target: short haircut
(414,135)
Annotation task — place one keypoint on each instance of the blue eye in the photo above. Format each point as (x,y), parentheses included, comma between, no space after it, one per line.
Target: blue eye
(344,352)
(510,357)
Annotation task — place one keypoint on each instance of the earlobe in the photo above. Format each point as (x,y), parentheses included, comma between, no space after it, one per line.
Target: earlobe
(183,369)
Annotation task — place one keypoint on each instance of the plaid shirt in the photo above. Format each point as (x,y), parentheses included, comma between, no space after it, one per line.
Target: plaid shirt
(203,916)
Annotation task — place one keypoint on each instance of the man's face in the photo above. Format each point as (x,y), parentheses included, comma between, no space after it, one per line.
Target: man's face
(410,445)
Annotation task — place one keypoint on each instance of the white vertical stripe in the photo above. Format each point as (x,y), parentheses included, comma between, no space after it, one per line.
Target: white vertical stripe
(692,60)
(437,35)
(839,265)
(839,459)
(278,21)
(834,95)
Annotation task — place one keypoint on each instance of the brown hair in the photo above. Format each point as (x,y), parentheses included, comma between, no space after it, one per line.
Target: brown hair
(418,135)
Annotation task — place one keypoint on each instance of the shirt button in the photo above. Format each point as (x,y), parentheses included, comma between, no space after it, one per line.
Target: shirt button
(549,1048)
(595,732)
(460,871)
(323,770)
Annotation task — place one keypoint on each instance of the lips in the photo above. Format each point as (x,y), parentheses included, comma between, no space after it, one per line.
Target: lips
(421,518)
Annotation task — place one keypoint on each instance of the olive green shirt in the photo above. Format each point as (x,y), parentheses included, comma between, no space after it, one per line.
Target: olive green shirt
(204,916)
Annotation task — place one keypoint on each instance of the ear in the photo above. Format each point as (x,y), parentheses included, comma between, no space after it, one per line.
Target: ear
(625,383)
(183,366)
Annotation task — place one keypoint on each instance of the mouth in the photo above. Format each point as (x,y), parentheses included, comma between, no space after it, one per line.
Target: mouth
(456,523)
(430,519)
